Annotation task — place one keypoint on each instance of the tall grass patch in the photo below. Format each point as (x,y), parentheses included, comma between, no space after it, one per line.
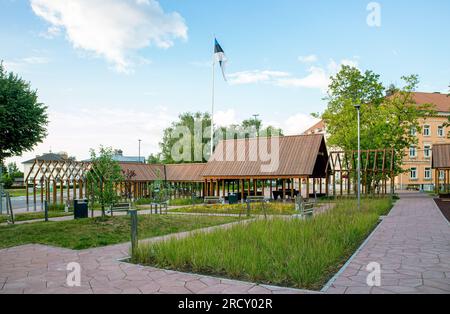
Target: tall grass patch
(286,252)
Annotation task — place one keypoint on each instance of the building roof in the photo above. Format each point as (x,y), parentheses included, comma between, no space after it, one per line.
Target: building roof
(172,173)
(185,172)
(440,101)
(441,156)
(46,157)
(130,159)
(144,172)
(318,126)
(302,155)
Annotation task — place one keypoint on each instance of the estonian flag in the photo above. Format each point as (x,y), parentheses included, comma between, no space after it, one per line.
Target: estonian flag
(219,56)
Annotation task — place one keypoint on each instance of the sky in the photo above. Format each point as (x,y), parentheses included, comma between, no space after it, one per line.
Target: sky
(115,71)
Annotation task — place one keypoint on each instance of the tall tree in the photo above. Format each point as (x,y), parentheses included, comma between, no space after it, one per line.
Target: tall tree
(104,175)
(386,121)
(23,119)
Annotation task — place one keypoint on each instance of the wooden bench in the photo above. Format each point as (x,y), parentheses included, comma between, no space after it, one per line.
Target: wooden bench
(213,200)
(119,207)
(305,208)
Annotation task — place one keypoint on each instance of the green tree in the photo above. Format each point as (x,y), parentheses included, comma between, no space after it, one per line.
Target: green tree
(386,121)
(105,174)
(187,122)
(23,119)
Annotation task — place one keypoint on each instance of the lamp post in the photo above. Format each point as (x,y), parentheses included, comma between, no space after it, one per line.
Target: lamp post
(358,108)
(139,160)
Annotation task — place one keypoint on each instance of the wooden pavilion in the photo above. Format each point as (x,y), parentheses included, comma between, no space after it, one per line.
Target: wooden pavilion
(441,165)
(243,167)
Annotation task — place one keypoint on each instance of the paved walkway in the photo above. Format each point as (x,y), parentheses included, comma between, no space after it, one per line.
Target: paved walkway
(412,245)
(42,269)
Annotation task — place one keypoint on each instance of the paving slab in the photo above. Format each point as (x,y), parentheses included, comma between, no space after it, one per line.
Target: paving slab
(412,246)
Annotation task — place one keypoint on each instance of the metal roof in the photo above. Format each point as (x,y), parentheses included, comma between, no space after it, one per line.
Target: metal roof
(441,156)
(172,173)
(303,155)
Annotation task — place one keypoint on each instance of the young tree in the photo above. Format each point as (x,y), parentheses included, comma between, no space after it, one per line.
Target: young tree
(386,121)
(104,175)
(23,119)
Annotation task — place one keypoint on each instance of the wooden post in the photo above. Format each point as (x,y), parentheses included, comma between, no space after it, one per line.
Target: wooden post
(34,194)
(223,188)
(81,189)
(271,189)
(74,189)
(134,231)
(436,179)
(68,190)
(327,183)
(42,190)
(284,189)
(292,188)
(242,190)
(61,191)
(307,187)
(54,192)
(300,187)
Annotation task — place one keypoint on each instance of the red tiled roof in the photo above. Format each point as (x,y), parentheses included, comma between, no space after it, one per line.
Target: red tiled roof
(440,101)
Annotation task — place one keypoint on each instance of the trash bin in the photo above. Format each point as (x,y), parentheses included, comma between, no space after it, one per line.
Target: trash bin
(232,199)
(80,209)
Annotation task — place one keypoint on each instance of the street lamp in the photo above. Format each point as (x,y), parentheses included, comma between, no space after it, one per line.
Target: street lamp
(139,160)
(358,108)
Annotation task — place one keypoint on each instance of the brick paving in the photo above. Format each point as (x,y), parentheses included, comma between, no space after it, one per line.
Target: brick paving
(39,269)
(412,245)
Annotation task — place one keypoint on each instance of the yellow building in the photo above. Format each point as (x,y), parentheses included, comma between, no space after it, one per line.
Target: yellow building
(417,162)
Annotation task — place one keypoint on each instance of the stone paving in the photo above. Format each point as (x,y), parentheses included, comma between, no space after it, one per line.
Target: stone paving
(412,245)
(37,269)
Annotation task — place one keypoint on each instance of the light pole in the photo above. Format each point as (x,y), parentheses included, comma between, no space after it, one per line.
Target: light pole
(358,108)
(139,151)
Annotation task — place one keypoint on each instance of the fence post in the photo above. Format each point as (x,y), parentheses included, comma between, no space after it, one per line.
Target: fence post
(134,230)
(248,208)
(46,211)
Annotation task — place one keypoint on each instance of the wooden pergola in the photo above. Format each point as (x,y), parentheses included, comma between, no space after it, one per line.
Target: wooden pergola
(53,175)
(376,166)
(441,164)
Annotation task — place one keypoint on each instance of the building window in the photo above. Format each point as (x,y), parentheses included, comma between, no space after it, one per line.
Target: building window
(428,174)
(427,151)
(426,130)
(413,173)
(441,131)
(412,152)
(413,131)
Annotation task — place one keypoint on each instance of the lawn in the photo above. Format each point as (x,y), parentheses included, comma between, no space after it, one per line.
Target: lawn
(89,233)
(293,253)
(34,216)
(255,209)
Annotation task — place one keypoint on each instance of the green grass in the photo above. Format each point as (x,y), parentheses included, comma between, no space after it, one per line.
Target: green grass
(255,209)
(18,192)
(185,201)
(34,216)
(89,233)
(294,253)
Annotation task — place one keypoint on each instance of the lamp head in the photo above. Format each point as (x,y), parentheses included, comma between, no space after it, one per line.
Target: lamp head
(357,106)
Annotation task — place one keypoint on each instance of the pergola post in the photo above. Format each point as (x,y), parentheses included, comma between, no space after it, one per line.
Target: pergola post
(54,192)
(284,189)
(307,187)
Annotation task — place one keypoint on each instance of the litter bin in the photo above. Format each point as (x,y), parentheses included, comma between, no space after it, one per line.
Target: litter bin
(80,209)
(232,199)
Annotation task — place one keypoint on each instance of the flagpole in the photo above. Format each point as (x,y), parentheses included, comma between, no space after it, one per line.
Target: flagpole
(212,103)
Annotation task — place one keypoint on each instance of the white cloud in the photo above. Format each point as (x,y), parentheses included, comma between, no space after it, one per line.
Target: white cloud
(225,118)
(298,123)
(317,77)
(308,59)
(21,65)
(77,131)
(256,76)
(113,29)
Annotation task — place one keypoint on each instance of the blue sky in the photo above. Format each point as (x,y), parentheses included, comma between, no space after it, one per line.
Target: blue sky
(114,71)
